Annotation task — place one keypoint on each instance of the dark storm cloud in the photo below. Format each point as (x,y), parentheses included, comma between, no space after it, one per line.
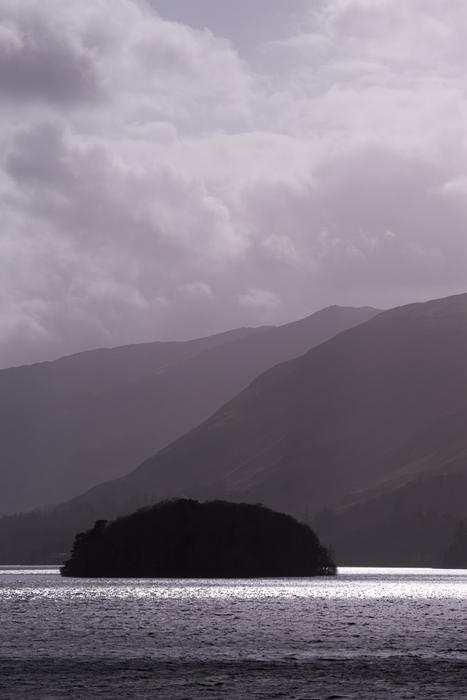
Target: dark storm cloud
(37,157)
(246,165)
(35,64)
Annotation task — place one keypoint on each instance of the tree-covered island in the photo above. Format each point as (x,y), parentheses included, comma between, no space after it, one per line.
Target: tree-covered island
(187,539)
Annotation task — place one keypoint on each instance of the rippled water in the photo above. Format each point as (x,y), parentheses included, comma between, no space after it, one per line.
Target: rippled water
(368,633)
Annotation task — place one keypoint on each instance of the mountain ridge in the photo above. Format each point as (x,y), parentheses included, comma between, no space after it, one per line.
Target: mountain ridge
(83,419)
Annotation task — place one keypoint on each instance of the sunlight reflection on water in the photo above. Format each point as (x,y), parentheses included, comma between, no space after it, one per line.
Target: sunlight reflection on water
(351,583)
(412,619)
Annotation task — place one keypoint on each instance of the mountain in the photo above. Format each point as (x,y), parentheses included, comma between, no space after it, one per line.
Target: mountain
(68,424)
(373,409)
(73,423)
(364,435)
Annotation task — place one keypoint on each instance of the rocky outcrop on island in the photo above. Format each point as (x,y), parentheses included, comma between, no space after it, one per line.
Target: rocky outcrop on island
(187,539)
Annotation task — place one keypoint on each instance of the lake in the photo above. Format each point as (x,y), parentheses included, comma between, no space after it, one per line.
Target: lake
(367,633)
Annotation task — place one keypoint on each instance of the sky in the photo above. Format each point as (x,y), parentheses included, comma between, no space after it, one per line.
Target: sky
(173,168)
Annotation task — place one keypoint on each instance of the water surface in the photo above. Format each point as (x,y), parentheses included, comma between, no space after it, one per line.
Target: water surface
(368,633)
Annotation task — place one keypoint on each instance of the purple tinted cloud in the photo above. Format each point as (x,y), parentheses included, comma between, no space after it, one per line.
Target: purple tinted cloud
(166,172)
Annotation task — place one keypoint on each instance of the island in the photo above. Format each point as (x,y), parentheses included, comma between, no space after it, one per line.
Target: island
(184,538)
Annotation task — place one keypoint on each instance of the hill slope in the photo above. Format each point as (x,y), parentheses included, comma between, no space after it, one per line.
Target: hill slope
(68,425)
(375,407)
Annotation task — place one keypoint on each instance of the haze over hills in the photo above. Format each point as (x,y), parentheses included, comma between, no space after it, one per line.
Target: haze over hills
(364,434)
(73,423)
(62,420)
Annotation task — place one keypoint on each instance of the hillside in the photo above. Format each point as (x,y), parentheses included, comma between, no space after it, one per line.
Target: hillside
(415,524)
(73,423)
(68,424)
(378,410)
(375,407)
(455,554)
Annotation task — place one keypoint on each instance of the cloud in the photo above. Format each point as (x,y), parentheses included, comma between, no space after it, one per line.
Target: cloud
(166,173)
(265,301)
(195,290)
(37,64)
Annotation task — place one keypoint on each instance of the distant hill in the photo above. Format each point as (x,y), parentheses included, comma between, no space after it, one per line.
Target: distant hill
(73,423)
(417,523)
(187,539)
(364,435)
(455,554)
